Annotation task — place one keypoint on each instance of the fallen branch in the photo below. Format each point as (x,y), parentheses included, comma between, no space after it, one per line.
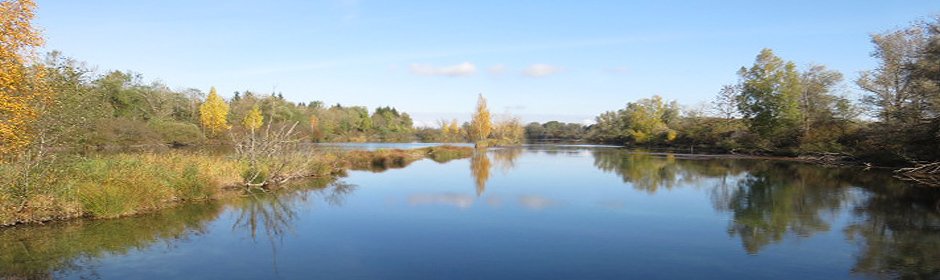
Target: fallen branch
(923,174)
(929,168)
(830,158)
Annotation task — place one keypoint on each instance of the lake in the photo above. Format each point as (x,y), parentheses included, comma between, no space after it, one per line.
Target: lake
(538,212)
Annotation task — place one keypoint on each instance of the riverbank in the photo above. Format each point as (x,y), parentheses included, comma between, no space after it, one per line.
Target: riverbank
(116,185)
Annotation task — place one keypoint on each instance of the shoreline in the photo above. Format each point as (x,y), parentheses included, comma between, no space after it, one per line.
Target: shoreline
(97,187)
(330,165)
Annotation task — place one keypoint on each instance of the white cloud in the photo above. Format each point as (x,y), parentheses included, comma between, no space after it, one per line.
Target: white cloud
(535,202)
(541,70)
(463,69)
(452,199)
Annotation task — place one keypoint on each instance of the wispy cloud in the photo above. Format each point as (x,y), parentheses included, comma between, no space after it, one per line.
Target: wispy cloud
(498,69)
(535,202)
(541,70)
(452,199)
(459,70)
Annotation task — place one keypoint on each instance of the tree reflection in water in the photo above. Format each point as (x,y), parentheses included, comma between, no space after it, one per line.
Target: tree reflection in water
(480,169)
(73,247)
(480,164)
(275,213)
(896,225)
(505,158)
(776,199)
(898,229)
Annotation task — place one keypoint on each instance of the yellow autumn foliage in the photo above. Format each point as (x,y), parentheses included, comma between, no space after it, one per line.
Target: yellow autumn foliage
(213,114)
(254,119)
(454,129)
(22,90)
(480,125)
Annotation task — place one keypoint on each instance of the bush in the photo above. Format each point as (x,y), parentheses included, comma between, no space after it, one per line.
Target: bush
(122,132)
(178,133)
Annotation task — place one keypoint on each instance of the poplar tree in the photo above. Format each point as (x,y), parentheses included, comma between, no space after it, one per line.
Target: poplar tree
(254,119)
(481,125)
(213,113)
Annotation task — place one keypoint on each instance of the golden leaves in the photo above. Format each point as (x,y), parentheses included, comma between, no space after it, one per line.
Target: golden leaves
(22,89)
(213,114)
(481,125)
(254,119)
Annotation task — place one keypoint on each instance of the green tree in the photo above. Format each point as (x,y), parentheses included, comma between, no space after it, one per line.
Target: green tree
(890,87)
(69,118)
(769,98)
(726,102)
(904,94)
(827,117)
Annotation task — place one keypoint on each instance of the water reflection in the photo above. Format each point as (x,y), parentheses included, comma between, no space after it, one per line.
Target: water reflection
(776,199)
(72,248)
(275,214)
(480,169)
(453,199)
(897,226)
(893,229)
(37,252)
(899,233)
(644,171)
(480,164)
(536,202)
(505,158)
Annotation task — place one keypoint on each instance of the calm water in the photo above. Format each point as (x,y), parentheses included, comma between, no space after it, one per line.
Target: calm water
(541,212)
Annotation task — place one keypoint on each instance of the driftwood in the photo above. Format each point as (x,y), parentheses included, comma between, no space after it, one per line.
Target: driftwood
(930,168)
(830,158)
(924,174)
(267,148)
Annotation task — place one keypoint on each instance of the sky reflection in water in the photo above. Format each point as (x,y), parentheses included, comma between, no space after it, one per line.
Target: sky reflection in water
(539,212)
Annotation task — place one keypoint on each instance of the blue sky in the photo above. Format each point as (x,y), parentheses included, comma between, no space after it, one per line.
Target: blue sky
(566,60)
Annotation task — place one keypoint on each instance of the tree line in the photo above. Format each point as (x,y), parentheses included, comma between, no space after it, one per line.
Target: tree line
(776,107)
(53,103)
(50,103)
(75,108)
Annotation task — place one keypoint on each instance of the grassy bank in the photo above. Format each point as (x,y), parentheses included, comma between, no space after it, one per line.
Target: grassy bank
(381,160)
(116,185)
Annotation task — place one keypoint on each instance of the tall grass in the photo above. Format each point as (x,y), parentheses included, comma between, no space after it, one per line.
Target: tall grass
(115,185)
(126,184)
(107,186)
